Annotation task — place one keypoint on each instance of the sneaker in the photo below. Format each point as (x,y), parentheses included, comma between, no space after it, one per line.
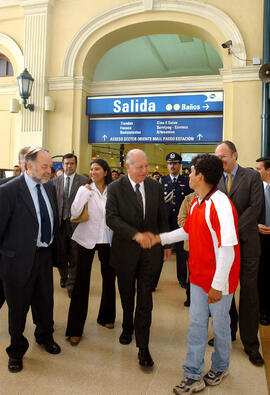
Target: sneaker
(214,378)
(188,386)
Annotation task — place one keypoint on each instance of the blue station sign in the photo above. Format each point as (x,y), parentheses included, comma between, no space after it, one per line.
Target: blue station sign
(206,129)
(187,102)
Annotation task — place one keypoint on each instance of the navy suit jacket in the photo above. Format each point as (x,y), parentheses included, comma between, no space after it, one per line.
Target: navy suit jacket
(124,218)
(19,231)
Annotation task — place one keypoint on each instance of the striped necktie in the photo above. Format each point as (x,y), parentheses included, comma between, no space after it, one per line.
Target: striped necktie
(139,198)
(229,182)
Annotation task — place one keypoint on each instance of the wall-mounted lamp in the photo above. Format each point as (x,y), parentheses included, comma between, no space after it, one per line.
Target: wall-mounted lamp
(25,81)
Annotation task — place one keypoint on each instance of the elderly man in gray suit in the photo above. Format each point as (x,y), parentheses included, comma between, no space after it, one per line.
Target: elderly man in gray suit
(244,188)
(67,186)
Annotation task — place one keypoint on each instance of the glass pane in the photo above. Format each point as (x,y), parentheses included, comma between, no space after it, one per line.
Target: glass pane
(10,69)
(3,67)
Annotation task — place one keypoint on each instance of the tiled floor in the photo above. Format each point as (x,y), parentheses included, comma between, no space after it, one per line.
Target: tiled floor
(99,365)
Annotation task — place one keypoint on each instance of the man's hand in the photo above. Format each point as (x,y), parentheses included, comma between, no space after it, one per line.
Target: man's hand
(167,254)
(143,239)
(87,186)
(155,239)
(264,230)
(214,295)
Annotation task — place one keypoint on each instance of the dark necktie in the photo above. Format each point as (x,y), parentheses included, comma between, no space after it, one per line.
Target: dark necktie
(139,197)
(174,181)
(66,213)
(45,219)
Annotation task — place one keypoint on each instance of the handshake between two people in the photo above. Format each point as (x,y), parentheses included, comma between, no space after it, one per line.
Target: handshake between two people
(148,240)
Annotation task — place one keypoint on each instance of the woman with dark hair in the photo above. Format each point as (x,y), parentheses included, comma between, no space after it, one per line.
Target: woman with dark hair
(92,235)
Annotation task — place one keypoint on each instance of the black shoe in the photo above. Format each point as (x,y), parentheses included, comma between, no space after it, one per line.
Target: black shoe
(15,365)
(125,338)
(63,283)
(187,303)
(51,347)
(145,357)
(255,357)
(265,320)
(183,285)
(211,341)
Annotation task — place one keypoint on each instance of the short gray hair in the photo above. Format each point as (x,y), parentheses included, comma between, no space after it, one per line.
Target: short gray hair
(31,155)
(129,157)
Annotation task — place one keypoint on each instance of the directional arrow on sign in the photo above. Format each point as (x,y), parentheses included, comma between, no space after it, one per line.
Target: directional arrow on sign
(206,106)
(104,137)
(199,136)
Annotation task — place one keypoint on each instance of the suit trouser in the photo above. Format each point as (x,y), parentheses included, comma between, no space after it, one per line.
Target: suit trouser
(248,305)
(70,249)
(264,276)
(79,300)
(37,292)
(2,295)
(143,273)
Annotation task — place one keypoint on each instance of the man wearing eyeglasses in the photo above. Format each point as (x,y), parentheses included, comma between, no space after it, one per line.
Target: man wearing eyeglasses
(244,187)
(29,247)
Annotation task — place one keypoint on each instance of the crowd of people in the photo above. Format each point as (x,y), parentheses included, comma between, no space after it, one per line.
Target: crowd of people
(221,212)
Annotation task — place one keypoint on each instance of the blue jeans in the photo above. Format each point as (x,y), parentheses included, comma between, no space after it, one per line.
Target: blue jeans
(198,333)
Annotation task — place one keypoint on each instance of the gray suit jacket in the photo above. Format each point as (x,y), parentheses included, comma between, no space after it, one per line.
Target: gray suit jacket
(59,185)
(248,198)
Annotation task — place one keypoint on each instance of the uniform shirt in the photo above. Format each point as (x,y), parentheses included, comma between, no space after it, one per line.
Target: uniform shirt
(174,194)
(214,257)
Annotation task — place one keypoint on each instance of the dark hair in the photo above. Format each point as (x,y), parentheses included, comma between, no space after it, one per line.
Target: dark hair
(156,173)
(115,171)
(69,156)
(229,144)
(266,161)
(210,166)
(105,167)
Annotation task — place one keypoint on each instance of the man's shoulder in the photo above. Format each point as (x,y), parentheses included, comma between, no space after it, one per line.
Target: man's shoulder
(246,171)
(57,179)
(13,182)
(118,184)
(165,178)
(81,178)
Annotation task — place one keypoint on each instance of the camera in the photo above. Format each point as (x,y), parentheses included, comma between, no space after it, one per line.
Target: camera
(227,44)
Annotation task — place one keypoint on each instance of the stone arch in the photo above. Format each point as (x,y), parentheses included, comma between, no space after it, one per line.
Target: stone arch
(13,52)
(121,16)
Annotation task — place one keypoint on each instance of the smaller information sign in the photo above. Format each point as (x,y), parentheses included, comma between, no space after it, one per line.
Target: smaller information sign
(141,130)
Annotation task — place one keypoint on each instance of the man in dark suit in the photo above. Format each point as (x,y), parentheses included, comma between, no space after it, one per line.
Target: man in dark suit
(263,167)
(67,186)
(135,206)
(29,246)
(244,188)
(175,188)
(22,154)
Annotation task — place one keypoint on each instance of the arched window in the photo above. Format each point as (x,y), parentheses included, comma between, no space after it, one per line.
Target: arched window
(6,68)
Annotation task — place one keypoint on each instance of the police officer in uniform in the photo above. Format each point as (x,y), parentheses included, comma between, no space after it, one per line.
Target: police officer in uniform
(175,188)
